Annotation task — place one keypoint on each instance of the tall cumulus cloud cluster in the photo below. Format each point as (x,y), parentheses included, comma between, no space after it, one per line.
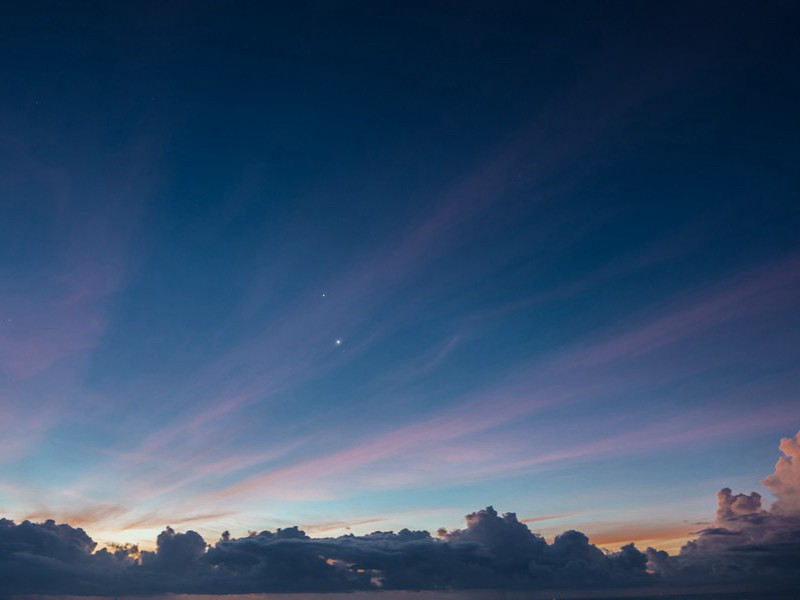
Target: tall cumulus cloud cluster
(748,544)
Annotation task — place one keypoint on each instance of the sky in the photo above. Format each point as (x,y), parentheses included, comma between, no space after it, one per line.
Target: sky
(364,266)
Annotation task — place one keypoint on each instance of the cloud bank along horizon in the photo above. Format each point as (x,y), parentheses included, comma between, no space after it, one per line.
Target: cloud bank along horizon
(748,545)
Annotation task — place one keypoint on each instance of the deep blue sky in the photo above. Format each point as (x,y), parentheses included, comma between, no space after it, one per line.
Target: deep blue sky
(365,264)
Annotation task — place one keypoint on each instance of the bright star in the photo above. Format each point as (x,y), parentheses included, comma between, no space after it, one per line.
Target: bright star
(338,342)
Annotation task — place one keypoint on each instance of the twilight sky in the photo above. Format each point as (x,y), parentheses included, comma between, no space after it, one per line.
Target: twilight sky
(360,266)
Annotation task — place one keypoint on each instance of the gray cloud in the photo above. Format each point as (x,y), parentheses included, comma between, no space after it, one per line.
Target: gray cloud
(492,551)
(748,544)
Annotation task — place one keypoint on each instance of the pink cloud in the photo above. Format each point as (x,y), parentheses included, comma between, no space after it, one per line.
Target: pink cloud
(769,287)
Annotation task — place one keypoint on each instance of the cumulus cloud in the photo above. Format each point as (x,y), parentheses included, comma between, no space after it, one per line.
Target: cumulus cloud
(733,508)
(748,544)
(492,551)
(55,559)
(785,481)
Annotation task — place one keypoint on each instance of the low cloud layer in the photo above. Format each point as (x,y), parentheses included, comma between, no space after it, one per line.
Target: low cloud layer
(749,544)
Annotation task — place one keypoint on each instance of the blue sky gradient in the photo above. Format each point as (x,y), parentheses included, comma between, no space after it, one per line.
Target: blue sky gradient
(358,267)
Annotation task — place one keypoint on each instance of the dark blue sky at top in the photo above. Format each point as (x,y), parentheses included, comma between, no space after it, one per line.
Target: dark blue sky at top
(478,189)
